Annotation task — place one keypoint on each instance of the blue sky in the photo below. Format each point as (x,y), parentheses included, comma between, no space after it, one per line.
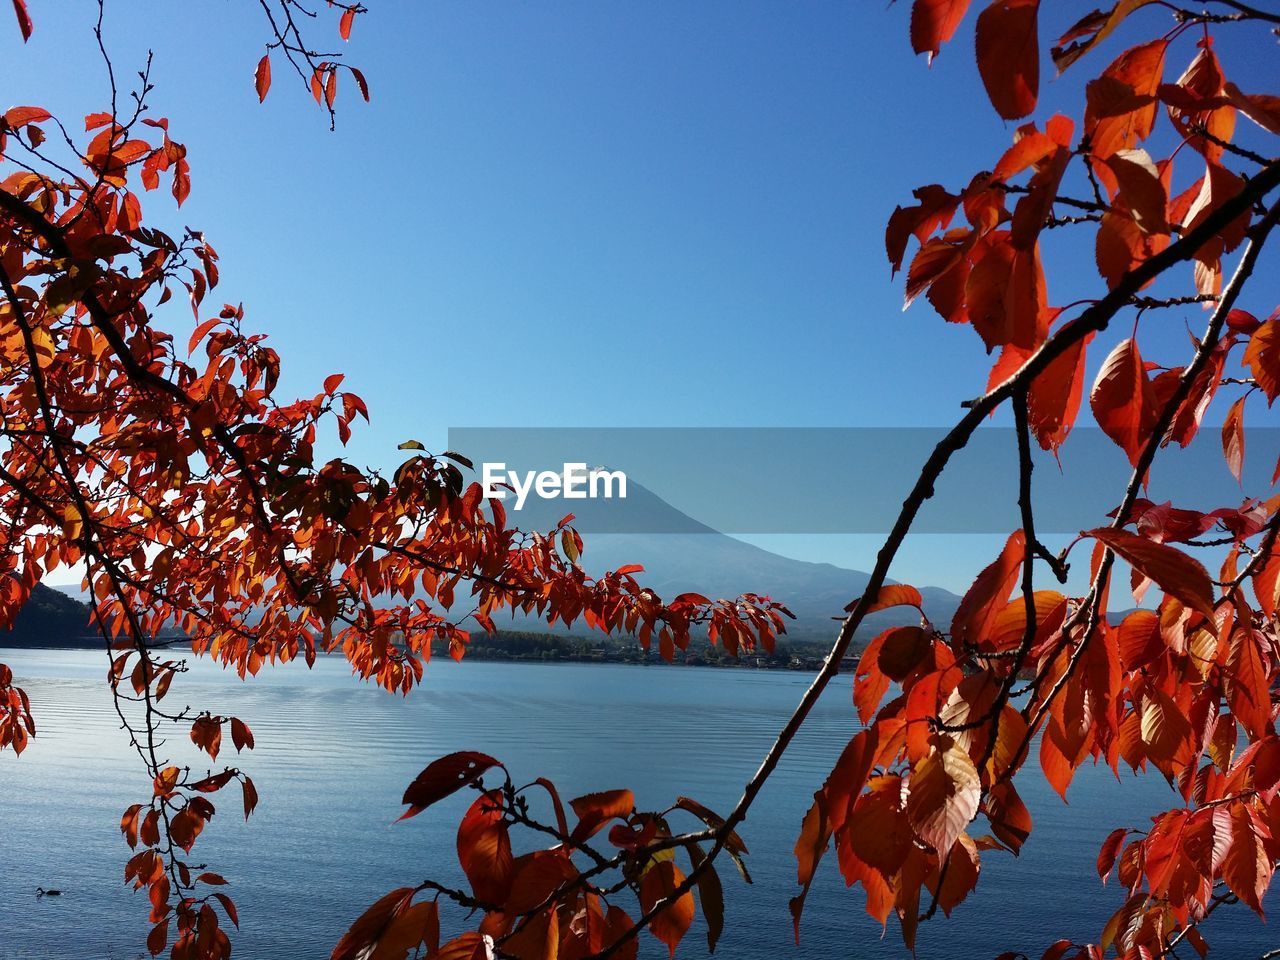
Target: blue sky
(583,213)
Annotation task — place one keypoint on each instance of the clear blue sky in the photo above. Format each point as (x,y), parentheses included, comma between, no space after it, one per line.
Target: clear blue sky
(585,213)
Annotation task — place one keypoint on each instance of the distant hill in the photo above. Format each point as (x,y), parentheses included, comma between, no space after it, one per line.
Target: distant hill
(50,618)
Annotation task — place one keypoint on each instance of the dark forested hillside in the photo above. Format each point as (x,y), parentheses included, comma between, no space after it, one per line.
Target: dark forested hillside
(50,618)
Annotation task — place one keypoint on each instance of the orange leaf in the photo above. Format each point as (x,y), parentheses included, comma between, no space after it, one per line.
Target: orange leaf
(815,834)
(1248,685)
(331,88)
(986,598)
(1247,866)
(892,595)
(24,19)
(1121,104)
(1008,815)
(658,883)
(596,809)
(1233,438)
(1053,400)
(535,877)
(1262,357)
(1176,573)
(344,25)
(1109,851)
(262,77)
(1122,400)
(934,22)
(944,793)
(21,116)
(1091,30)
(199,333)
(363,935)
(484,848)
(1008,48)
(1262,109)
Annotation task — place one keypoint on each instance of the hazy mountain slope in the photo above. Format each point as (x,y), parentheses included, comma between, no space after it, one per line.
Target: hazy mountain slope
(688,555)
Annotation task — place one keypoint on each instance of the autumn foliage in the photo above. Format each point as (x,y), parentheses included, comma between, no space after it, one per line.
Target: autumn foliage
(192,493)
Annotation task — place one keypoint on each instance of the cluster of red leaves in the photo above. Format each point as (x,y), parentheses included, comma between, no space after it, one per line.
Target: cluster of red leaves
(175,815)
(556,901)
(195,498)
(16,723)
(1175,688)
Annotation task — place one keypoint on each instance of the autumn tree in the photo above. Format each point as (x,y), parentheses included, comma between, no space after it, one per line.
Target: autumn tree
(192,495)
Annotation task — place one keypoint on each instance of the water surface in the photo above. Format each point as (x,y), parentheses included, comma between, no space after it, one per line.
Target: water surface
(333,757)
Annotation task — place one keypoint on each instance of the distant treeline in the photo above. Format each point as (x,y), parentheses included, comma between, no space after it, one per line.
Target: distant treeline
(531,645)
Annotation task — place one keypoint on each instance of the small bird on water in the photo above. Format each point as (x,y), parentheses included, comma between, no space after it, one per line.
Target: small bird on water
(42,892)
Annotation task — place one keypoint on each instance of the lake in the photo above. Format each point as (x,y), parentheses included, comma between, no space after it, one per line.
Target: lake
(334,755)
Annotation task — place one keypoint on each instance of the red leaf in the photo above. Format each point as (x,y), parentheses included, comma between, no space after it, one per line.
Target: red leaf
(1233,438)
(1110,850)
(987,596)
(443,777)
(1122,400)
(361,83)
(467,946)
(944,793)
(363,935)
(199,333)
(537,876)
(1247,866)
(24,19)
(1262,357)
(933,212)
(1139,639)
(241,735)
(1091,30)
(1248,685)
(250,797)
(21,116)
(1008,50)
(1053,400)
(1122,103)
(333,381)
(1176,573)
(893,595)
(344,25)
(1141,189)
(1057,768)
(262,77)
(596,809)
(159,935)
(484,848)
(659,882)
(331,88)
(1262,109)
(934,22)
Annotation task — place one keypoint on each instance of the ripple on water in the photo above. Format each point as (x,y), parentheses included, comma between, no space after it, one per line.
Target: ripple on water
(333,756)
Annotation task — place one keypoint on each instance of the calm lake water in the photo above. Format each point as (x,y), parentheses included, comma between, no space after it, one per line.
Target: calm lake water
(334,755)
